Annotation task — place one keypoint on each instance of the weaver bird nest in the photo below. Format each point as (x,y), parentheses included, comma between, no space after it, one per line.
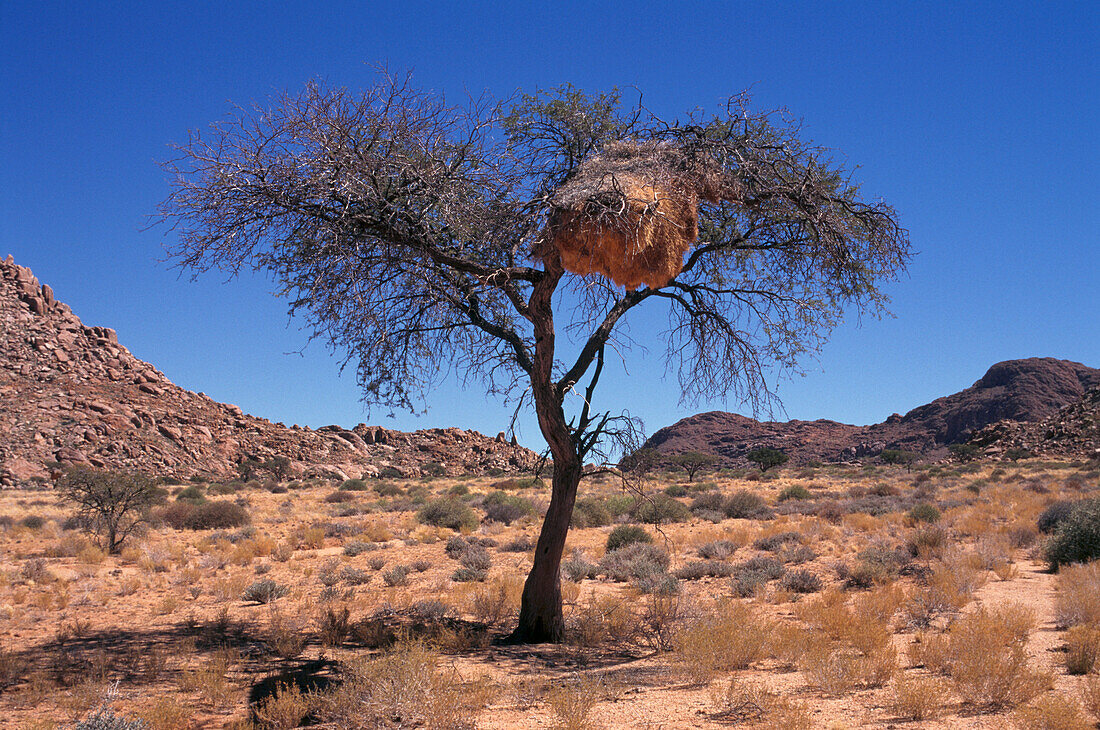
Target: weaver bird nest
(632,212)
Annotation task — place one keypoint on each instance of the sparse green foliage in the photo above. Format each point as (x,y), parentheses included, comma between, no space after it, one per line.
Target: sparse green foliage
(624,535)
(693,462)
(111,504)
(767,458)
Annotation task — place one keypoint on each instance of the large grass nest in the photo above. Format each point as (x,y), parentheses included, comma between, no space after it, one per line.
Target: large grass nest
(631,212)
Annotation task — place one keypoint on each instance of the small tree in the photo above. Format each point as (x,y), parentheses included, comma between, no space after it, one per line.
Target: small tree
(693,461)
(899,457)
(421,237)
(963,452)
(766,458)
(111,505)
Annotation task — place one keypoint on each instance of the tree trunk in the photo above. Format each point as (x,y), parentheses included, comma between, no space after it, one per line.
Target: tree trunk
(540,614)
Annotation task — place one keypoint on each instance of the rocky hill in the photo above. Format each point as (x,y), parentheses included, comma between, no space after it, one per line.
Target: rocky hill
(1021,390)
(1072,431)
(73,394)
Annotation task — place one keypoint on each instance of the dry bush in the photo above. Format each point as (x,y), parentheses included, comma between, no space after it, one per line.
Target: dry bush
(287,636)
(497,600)
(166,713)
(409,682)
(283,710)
(602,619)
(1082,649)
(789,642)
(1090,694)
(333,625)
(209,680)
(839,670)
(572,701)
(987,660)
(1078,597)
(730,637)
(736,701)
(1051,712)
(918,698)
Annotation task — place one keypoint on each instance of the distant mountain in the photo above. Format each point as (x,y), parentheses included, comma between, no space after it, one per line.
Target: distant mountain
(1072,431)
(73,394)
(1021,390)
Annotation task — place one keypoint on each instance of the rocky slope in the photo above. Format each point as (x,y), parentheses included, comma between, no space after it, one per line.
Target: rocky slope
(1072,431)
(71,393)
(1021,390)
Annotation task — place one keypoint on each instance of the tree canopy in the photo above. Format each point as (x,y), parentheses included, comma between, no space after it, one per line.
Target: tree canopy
(411,234)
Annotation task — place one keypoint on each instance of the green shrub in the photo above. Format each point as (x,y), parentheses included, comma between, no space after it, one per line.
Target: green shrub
(923,513)
(388,489)
(33,522)
(458,490)
(744,504)
(590,512)
(624,535)
(795,491)
(192,493)
(620,504)
(354,485)
(659,509)
(506,508)
(215,514)
(1054,515)
(448,512)
(1077,537)
(676,490)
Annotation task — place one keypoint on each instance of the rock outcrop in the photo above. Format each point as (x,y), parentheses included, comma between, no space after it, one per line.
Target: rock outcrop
(70,394)
(1073,431)
(1024,391)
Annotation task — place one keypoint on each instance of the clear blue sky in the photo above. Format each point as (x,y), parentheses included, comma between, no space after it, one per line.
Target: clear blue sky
(977,121)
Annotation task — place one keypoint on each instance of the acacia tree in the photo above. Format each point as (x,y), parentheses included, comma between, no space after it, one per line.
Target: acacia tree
(403,229)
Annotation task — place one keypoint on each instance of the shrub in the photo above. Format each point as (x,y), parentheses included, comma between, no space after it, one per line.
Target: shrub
(800,581)
(744,504)
(772,543)
(633,561)
(659,509)
(676,490)
(1082,649)
(730,637)
(358,547)
(476,557)
(339,497)
(918,698)
(1078,598)
(215,514)
(717,550)
(33,522)
(923,513)
(624,535)
(448,512)
(388,489)
(398,575)
(576,567)
(105,719)
(590,512)
(519,544)
(704,569)
(354,485)
(1052,712)
(1077,537)
(708,502)
(506,508)
(469,575)
(795,491)
(264,591)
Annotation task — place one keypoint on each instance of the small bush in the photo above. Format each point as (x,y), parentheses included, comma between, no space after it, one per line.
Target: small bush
(1082,649)
(264,591)
(800,581)
(339,497)
(918,698)
(519,544)
(633,561)
(476,557)
(33,522)
(745,504)
(590,512)
(215,514)
(506,508)
(772,543)
(469,575)
(704,569)
(448,512)
(358,547)
(387,489)
(354,485)
(1052,712)
(398,575)
(105,719)
(624,535)
(717,550)
(660,509)
(923,513)
(576,567)
(708,502)
(1077,538)
(795,491)
(1077,600)
(676,490)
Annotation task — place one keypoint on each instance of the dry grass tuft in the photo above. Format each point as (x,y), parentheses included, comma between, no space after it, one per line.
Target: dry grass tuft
(732,636)
(572,701)
(918,698)
(1078,598)
(1051,712)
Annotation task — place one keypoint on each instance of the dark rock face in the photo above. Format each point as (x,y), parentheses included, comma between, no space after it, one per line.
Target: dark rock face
(1021,390)
(72,394)
(1072,431)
